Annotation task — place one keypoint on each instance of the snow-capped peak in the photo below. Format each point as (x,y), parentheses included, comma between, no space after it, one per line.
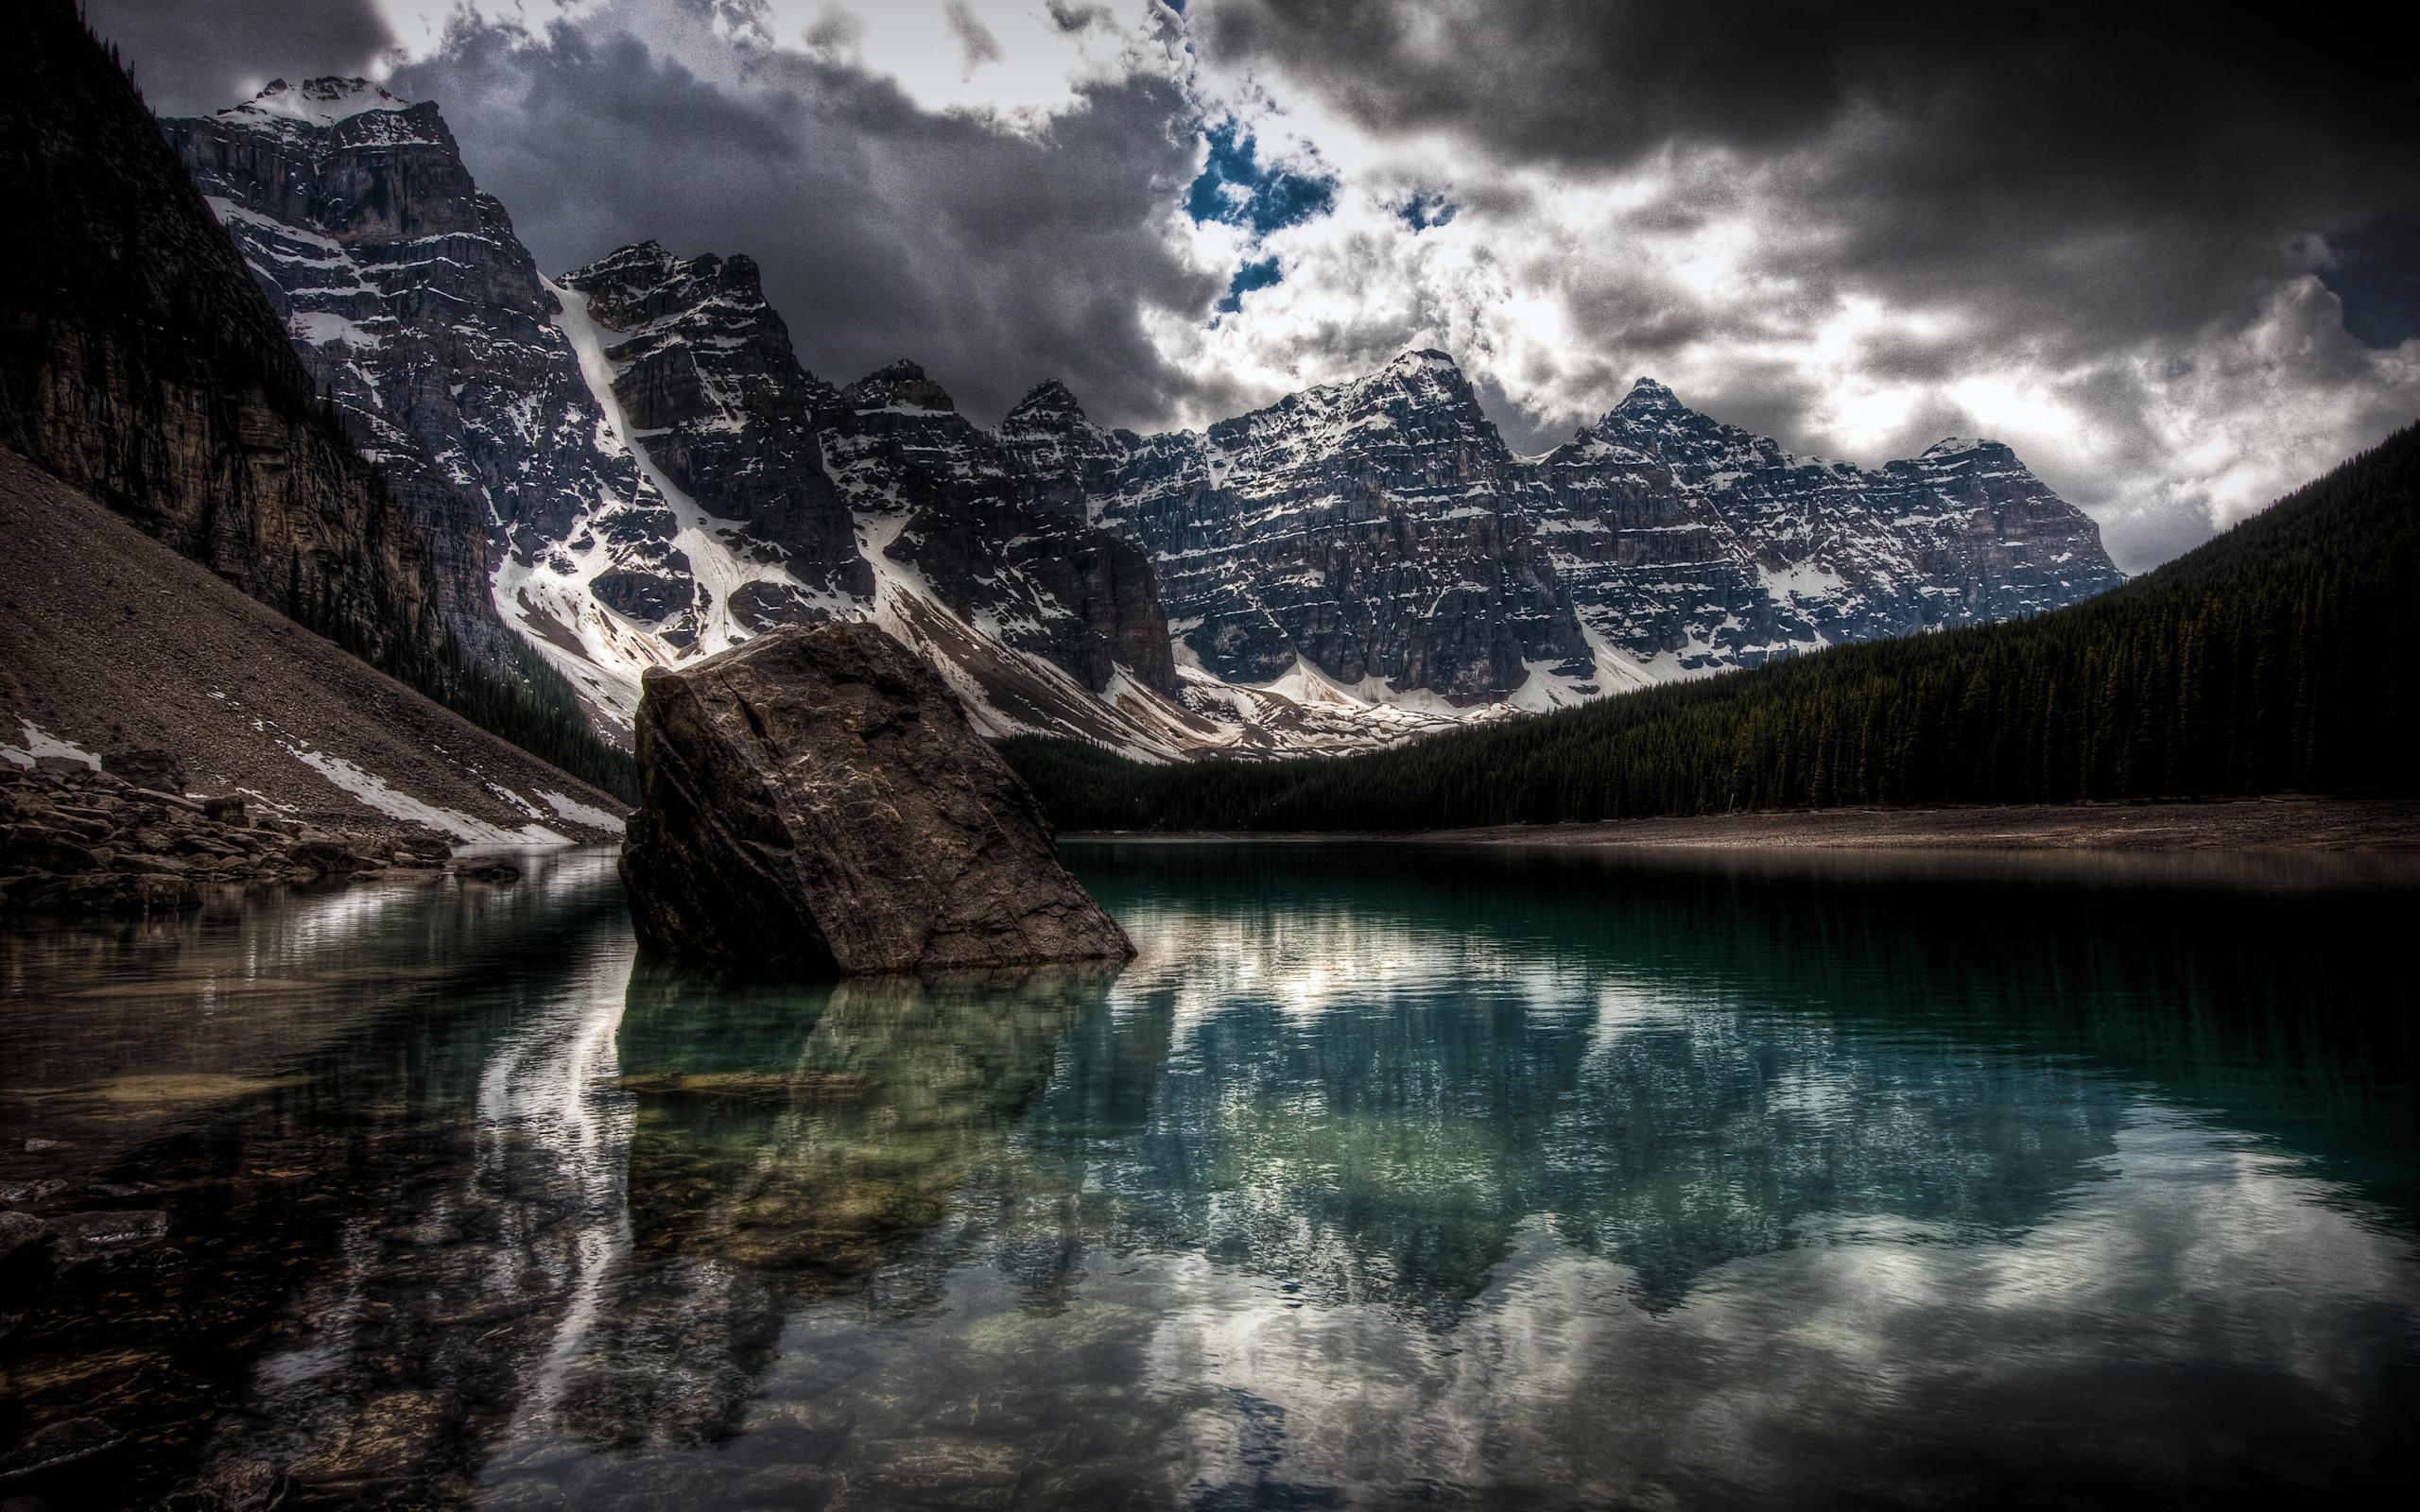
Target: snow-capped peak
(1954,446)
(900,385)
(1050,403)
(320,101)
(1647,395)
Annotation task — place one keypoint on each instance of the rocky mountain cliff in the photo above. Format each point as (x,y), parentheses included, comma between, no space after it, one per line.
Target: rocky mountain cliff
(630,466)
(416,309)
(877,500)
(1690,545)
(651,476)
(1380,535)
(140,364)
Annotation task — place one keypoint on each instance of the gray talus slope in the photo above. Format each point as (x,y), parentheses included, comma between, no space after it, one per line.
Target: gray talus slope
(108,638)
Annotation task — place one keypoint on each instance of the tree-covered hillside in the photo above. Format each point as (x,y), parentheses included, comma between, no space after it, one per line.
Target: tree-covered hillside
(2279,657)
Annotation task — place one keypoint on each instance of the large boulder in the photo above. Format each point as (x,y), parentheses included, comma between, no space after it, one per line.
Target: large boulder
(813,801)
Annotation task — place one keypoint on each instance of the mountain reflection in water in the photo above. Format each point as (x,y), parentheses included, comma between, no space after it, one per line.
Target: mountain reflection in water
(1387,1173)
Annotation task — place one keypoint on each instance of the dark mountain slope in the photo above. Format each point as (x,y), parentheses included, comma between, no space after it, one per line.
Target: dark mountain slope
(139,363)
(148,648)
(2280,657)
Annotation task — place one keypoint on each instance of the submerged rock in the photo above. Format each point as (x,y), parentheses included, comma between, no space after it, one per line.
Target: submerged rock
(815,801)
(83,1236)
(60,1444)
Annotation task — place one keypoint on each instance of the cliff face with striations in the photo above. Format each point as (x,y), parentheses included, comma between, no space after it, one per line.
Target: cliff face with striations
(1380,538)
(139,363)
(1692,544)
(630,466)
(1379,530)
(1045,583)
(705,374)
(415,307)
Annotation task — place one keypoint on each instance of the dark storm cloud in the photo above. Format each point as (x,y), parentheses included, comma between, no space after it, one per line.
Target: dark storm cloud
(2089,168)
(192,56)
(883,231)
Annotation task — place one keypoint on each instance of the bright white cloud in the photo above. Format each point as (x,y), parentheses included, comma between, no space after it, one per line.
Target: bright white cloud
(1556,286)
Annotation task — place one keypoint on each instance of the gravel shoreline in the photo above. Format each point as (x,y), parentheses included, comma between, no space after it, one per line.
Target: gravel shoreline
(2389,826)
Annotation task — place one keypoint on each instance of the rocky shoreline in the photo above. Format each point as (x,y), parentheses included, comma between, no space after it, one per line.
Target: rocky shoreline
(128,840)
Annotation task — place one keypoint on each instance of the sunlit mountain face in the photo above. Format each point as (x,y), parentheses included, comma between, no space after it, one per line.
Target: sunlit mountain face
(2169,265)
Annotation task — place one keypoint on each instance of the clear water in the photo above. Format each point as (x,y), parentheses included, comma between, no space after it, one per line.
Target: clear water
(1388,1175)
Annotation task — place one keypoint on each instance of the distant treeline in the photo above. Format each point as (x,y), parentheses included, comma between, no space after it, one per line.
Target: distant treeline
(2278,657)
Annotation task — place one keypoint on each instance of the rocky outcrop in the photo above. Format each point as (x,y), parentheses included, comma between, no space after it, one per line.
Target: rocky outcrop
(878,500)
(815,802)
(78,841)
(703,370)
(416,309)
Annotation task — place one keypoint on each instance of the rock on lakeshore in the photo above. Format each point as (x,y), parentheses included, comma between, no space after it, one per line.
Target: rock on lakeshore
(77,841)
(815,801)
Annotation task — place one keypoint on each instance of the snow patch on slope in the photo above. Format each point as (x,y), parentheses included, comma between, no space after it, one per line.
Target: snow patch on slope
(41,742)
(550,599)
(375,792)
(579,813)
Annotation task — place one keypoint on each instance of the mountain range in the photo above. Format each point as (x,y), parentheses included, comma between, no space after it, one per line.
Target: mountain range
(379,456)
(2276,658)
(627,466)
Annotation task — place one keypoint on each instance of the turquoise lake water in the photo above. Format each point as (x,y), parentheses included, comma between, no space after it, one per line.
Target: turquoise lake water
(1387,1174)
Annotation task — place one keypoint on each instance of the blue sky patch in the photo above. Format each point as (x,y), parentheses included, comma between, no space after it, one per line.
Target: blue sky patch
(1427,209)
(1235,189)
(2375,273)
(1258,275)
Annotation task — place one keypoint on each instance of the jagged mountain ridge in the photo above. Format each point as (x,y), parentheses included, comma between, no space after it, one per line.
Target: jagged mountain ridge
(1356,563)
(1683,537)
(1380,534)
(633,460)
(415,307)
(1360,527)
(877,501)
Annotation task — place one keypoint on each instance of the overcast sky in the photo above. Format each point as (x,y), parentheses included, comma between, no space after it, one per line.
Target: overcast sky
(2175,262)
